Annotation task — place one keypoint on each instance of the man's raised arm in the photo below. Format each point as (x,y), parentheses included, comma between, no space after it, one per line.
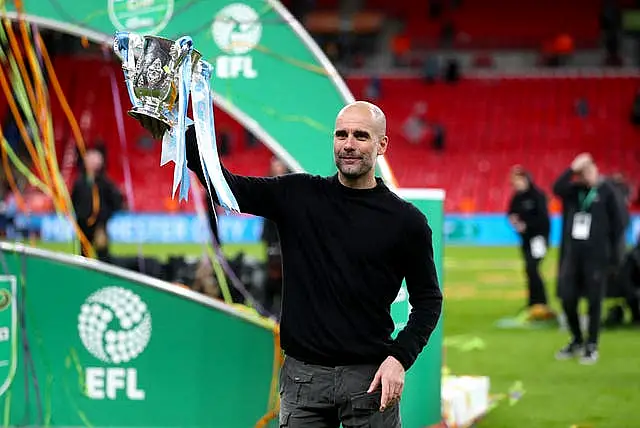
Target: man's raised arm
(262,196)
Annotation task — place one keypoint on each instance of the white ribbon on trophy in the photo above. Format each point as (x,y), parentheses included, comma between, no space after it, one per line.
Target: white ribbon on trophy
(202,106)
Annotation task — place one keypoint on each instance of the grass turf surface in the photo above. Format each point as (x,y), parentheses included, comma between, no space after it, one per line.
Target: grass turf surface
(481,286)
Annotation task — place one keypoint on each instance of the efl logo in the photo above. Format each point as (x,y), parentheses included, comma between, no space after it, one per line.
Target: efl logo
(114,325)
(236,30)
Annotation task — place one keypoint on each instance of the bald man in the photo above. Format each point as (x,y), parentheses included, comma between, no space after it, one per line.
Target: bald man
(347,243)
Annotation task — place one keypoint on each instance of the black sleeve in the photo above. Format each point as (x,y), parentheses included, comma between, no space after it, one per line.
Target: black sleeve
(425,296)
(541,220)
(563,188)
(262,196)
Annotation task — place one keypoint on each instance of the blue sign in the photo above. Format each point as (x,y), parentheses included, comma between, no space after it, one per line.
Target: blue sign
(474,230)
(494,229)
(155,228)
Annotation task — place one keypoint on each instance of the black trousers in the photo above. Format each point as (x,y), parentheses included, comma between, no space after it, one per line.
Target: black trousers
(313,396)
(535,284)
(583,275)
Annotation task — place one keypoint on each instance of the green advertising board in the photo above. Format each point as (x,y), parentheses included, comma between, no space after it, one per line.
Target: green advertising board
(421,396)
(96,345)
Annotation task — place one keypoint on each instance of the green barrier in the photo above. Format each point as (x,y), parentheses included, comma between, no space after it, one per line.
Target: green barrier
(108,347)
(87,344)
(420,404)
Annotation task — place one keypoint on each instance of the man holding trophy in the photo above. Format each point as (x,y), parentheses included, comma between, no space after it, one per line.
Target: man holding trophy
(347,244)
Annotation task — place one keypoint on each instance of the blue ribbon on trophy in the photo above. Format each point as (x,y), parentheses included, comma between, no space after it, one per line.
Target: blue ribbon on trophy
(160,75)
(127,47)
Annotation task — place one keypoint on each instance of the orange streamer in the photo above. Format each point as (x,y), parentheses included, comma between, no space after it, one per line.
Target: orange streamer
(42,118)
(75,129)
(57,199)
(10,179)
(16,114)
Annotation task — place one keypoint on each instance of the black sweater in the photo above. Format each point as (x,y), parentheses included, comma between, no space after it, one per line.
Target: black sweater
(345,253)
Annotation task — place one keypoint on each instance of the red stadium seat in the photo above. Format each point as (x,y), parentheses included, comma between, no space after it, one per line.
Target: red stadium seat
(492,124)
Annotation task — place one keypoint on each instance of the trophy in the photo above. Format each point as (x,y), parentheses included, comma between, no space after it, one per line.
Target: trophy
(155,77)
(161,75)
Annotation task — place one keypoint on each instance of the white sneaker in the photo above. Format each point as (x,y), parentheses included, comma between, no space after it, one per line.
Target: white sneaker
(571,350)
(590,356)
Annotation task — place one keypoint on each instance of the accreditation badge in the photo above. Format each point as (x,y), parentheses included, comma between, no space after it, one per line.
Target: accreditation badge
(581,226)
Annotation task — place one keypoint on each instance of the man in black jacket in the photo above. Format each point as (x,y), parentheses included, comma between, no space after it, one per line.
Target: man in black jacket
(529,216)
(95,199)
(347,243)
(595,224)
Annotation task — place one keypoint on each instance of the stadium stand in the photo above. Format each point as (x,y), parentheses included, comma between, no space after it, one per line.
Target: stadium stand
(496,23)
(490,124)
(493,123)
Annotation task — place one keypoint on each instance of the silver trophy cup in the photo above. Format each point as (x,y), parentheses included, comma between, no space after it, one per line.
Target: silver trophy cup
(156,78)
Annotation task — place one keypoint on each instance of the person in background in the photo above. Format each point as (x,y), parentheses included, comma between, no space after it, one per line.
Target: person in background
(95,199)
(529,216)
(618,271)
(595,225)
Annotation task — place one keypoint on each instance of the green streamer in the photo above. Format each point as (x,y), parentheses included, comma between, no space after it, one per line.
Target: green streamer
(7,409)
(222,279)
(23,169)
(21,96)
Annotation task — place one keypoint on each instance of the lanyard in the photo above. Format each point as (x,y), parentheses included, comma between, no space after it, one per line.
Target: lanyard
(585,201)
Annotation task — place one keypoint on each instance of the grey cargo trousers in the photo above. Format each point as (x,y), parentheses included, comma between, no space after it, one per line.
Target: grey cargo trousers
(313,396)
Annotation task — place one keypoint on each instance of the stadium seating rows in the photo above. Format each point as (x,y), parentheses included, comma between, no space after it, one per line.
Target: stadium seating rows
(490,124)
(493,23)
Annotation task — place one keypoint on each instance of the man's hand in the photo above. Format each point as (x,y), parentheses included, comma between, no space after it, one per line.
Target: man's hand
(390,376)
(520,227)
(581,161)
